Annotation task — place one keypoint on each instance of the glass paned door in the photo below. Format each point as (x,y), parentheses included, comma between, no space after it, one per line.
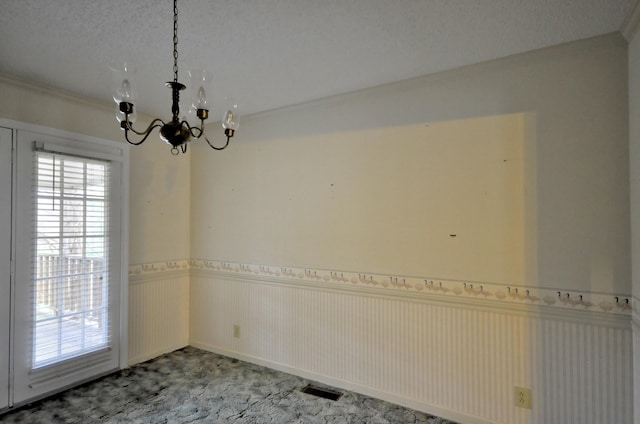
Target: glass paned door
(71,258)
(68,264)
(5,262)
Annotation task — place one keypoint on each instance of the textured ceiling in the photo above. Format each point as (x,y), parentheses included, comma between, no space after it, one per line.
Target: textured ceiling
(273,53)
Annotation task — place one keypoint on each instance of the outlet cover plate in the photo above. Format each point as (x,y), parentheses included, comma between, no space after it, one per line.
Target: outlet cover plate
(522,397)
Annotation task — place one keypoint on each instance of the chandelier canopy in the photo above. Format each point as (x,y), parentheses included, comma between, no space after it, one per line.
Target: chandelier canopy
(175,132)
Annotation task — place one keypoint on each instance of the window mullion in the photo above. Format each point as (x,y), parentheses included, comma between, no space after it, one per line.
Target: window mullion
(61,257)
(83,288)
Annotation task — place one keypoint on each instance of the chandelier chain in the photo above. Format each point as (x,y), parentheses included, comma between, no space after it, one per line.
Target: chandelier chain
(175,41)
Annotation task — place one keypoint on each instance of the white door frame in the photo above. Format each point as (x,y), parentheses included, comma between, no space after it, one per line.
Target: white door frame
(19,391)
(6,178)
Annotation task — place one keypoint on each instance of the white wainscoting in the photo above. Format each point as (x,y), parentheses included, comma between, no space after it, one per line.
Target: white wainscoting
(158,309)
(635,324)
(456,354)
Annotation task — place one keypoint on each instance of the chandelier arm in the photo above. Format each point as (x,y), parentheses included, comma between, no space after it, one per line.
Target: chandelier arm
(217,148)
(154,124)
(135,143)
(194,131)
(145,133)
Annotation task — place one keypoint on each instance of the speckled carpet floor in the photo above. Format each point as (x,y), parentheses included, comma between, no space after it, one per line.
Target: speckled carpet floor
(194,386)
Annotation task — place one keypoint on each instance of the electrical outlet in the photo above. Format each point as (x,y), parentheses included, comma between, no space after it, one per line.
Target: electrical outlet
(522,397)
(236,331)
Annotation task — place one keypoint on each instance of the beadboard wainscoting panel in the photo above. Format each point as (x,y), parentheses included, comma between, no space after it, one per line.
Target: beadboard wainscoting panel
(158,312)
(457,360)
(635,325)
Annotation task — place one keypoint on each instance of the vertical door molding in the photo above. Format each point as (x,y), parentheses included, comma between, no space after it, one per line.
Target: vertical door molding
(22,379)
(6,153)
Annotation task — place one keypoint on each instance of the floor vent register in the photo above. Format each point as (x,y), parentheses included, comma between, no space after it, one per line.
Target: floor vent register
(321,392)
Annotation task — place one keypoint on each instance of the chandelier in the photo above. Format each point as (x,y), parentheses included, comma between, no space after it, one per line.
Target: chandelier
(175,132)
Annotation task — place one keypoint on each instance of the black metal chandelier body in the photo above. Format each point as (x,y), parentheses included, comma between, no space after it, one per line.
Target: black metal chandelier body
(175,132)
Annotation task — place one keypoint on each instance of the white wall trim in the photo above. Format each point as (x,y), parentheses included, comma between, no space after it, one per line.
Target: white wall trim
(139,273)
(635,317)
(631,25)
(606,308)
(154,354)
(54,92)
(24,126)
(346,385)
(160,275)
(583,306)
(559,50)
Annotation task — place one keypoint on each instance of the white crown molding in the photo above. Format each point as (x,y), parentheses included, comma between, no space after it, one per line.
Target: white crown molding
(631,25)
(52,91)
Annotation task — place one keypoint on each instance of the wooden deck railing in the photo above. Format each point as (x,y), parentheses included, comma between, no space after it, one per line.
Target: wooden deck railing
(66,285)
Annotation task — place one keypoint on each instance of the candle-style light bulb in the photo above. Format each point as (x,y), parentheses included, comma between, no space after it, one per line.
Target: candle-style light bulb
(231,117)
(125,93)
(123,82)
(201,99)
(200,86)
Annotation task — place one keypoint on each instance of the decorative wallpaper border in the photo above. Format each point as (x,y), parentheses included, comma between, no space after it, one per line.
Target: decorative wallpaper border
(619,304)
(153,267)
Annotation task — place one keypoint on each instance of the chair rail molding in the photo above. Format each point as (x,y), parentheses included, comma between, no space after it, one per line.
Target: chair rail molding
(518,299)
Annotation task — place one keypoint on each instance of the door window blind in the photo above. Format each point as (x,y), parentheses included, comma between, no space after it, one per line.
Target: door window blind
(72,249)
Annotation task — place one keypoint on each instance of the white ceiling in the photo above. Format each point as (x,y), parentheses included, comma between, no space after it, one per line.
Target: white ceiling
(273,53)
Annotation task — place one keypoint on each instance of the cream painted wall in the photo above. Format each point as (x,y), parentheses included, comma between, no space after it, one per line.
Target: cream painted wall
(159,203)
(269,198)
(159,189)
(634,151)
(634,154)
(444,199)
